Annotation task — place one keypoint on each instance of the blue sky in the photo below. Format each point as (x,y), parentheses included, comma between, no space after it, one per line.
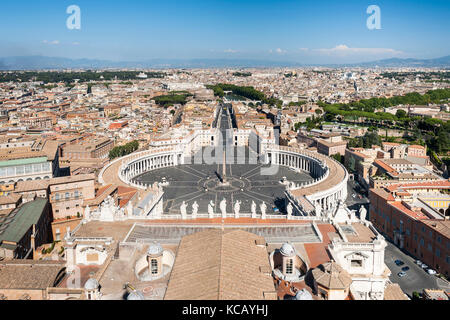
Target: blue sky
(319,31)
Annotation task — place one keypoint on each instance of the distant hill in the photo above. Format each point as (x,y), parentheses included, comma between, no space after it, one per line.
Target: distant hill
(42,62)
(398,62)
(58,63)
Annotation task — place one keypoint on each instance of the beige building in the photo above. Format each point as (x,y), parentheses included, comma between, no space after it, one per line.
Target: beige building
(67,195)
(331,146)
(88,149)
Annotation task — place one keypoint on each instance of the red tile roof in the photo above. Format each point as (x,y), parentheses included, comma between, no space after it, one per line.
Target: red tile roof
(318,252)
(414,214)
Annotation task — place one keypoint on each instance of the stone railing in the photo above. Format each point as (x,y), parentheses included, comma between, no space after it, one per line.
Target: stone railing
(232,215)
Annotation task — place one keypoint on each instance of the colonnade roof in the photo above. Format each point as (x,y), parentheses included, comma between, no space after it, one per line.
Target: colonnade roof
(336,175)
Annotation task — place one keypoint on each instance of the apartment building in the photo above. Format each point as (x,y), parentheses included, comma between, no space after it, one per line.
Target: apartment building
(67,195)
(88,149)
(40,161)
(416,217)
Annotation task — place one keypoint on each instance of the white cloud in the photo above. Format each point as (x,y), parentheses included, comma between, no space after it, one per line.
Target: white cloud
(230,51)
(54,42)
(343,50)
(278,50)
(75,43)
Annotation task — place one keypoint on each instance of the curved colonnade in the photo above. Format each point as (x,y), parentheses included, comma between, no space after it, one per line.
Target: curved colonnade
(328,188)
(324,193)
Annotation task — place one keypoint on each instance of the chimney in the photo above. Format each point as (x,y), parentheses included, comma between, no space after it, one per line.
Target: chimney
(33,244)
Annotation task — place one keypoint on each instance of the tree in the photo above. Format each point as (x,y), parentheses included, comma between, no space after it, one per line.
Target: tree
(338,157)
(401,114)
(121,151)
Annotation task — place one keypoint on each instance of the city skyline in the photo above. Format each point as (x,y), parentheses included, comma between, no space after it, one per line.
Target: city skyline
(301,32)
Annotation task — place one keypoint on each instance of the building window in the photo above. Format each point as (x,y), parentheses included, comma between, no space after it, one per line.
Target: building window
(290,266)
(430,247)
(356,263)
(154,266)
(438,253)
(439,239)
(20,170)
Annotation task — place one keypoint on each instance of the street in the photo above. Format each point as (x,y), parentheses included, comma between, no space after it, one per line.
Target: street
(354,203)
(416,278)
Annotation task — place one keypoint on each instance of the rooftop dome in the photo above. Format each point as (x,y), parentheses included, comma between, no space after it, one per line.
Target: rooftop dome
(154,249)
(287,250)
(91,284)
(136,295)
(331,275)
(303,295)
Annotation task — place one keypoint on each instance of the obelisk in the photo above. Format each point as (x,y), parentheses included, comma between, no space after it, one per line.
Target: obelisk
(224,169)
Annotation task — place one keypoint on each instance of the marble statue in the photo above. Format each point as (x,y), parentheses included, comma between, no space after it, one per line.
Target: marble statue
(352,215)
(183,209)
(108,209)
(223,207)
(237,208)
(289,209)
(318,210)
(263,208)
(211,209)
(194,210)
(87,213)
(362,213)
(253,209)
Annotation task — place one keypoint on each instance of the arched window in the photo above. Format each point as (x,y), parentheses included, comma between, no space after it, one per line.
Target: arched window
(290,266)
(154,266)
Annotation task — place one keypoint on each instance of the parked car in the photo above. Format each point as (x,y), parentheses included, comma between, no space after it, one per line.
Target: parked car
(419,263)
(424,266)
(405,268)
(401,274)
(399,262)
(431,271)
